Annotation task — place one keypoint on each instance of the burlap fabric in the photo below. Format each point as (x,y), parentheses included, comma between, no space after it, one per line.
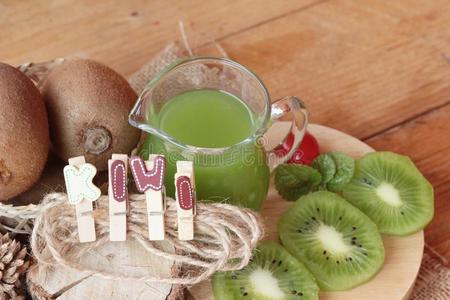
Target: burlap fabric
(433,281)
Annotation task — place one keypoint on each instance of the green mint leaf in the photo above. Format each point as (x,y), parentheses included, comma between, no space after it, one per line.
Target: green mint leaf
(293,181)
(325,164)
(336,168)
(345,167)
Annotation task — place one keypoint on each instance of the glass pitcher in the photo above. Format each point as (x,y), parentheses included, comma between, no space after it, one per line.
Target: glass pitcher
(238,174)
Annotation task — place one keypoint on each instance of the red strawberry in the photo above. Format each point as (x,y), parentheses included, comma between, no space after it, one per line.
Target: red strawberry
(306,152)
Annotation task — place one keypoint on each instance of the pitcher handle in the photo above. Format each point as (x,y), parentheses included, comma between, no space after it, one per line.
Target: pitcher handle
(284,109)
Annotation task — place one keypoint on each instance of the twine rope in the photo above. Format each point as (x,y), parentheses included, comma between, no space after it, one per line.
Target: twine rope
(225,237)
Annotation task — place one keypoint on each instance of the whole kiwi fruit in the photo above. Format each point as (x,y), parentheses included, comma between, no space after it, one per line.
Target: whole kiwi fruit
(24,133)
(88,105)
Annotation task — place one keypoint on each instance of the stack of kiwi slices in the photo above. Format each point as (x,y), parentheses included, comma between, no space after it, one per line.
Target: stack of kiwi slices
(331,236)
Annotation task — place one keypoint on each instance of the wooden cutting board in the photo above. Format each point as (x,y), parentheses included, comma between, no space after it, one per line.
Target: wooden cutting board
(403,254)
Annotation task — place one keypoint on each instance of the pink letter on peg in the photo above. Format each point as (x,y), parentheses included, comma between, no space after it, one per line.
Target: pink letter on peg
(118,195)
(82,192)
(185,194)
(148,179)
(151,183)
(119,179)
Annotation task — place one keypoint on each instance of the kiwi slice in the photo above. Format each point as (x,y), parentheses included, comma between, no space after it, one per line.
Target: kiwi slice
(272,274)
(392,192)
(339,244)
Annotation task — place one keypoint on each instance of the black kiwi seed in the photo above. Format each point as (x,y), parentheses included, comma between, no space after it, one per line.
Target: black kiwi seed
(367,181)
(354,238)
(353,243)
(318,209)
(245,294)
(350,259)
(324,252)
(300,293)
(234,277)
(294,292)
(337,262)
(354,228)
(402,212)
(279,263)
(299,231)
(306,223)
(285,270)
(328,257)
(314,218)
(274,261)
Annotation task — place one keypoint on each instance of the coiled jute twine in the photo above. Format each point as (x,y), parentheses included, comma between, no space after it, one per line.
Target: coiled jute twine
(225,237)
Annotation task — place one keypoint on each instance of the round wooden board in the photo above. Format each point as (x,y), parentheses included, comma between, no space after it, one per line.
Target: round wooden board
(403,254)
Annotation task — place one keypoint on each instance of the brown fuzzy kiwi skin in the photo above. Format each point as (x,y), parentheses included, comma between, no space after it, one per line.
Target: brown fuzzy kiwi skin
(24,133)
(88,105)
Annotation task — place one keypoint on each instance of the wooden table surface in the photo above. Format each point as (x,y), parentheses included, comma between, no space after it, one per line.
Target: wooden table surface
(378,70)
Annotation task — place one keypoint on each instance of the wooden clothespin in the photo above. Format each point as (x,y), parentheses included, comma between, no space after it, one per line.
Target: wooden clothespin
(118,197)
(185,196)
(149,178)
(82,193)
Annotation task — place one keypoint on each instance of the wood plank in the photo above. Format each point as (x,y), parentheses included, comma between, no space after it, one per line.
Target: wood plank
(122,34)
(426,141)
(361,66)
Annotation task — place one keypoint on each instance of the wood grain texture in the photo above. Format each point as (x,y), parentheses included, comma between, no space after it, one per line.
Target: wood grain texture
(122,34)
(403,254)
(121,257)
(361,66)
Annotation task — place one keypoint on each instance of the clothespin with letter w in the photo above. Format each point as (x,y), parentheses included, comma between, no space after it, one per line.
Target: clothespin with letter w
(149,178)
(81,192)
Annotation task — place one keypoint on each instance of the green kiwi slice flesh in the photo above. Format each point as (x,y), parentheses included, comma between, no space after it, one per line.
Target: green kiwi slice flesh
(272,274)
(392,192)
(339,244)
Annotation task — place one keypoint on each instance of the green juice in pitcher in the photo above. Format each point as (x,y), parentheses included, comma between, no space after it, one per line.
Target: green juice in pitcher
(213,119)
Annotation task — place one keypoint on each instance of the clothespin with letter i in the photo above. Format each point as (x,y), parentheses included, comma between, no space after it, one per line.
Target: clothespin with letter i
(118,196)
(185,194)
(149,178)
(82,193)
